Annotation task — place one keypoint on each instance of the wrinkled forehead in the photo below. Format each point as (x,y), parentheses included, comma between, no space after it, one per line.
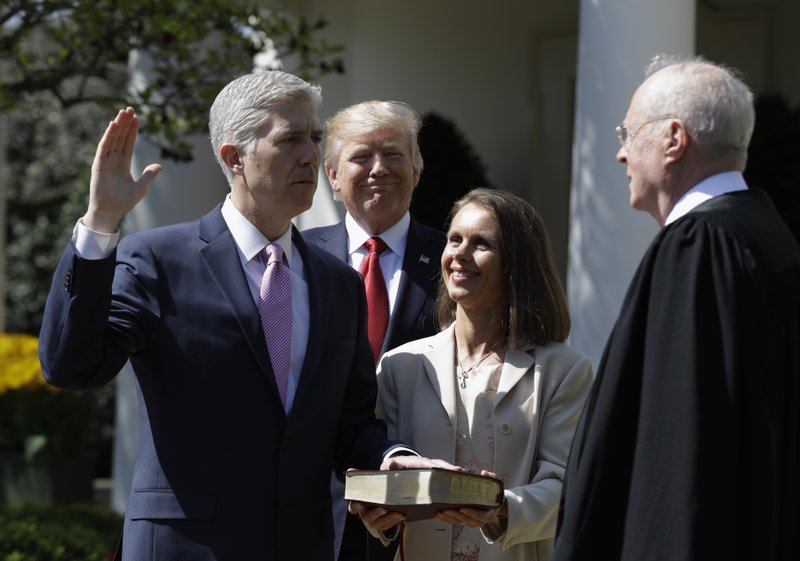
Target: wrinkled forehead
(633,113)
(299,109)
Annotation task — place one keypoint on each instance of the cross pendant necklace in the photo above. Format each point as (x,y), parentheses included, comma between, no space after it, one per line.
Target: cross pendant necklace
(463,373)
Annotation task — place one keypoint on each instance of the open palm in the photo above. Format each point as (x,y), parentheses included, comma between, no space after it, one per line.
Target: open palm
(112,190)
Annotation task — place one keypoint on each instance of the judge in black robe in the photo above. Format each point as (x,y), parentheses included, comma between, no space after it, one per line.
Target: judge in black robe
(688,445)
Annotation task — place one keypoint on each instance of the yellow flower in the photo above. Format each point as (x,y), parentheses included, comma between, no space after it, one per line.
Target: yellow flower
(19,363)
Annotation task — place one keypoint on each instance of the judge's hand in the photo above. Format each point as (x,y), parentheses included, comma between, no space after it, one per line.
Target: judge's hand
(112,190)
(474,517)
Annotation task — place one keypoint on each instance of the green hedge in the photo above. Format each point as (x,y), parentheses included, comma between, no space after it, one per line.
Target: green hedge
(58,533)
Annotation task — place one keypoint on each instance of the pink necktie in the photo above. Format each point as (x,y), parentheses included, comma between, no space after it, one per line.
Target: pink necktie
(377,297)
(275,307)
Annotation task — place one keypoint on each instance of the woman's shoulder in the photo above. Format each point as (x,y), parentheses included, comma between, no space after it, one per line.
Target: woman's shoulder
(556,351)
(421,346)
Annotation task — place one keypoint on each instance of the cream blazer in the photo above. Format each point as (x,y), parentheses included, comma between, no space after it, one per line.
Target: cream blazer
(539,400)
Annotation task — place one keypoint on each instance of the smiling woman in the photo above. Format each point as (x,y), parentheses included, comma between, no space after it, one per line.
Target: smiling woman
(534,306)
(497,392)
(471,262)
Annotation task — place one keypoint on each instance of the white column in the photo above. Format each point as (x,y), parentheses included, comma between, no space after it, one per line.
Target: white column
(607,238)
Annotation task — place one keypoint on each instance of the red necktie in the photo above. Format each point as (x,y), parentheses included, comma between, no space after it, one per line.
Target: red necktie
(377,297)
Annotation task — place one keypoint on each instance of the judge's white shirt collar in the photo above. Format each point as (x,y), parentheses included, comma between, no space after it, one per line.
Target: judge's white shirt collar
(709,188)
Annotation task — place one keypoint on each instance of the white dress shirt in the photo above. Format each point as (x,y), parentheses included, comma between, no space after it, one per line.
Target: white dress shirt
(391,260)
(249,243)
(709,188)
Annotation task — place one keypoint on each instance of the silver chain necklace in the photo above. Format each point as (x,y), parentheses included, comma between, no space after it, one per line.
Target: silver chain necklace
(464,372)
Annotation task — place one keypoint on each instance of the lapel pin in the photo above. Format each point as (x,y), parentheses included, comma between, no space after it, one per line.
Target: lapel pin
(424,259)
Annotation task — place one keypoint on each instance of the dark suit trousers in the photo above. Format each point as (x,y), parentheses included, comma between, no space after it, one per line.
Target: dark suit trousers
(359,545)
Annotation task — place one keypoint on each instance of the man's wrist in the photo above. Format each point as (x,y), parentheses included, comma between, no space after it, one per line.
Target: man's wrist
(399,451)
(98,222)
(90,244)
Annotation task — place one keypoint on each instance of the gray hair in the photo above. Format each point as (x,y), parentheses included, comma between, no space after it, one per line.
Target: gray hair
(369,116)
(244,104)
(711,99)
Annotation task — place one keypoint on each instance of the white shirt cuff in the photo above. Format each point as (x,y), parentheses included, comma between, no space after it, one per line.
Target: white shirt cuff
(400,451)
(90,244)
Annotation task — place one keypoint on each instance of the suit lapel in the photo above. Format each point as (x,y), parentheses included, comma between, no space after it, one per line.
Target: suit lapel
(319,286)
(517,362)
(420,266)
(441,370)
(221,258)
(405,306)
(334,241)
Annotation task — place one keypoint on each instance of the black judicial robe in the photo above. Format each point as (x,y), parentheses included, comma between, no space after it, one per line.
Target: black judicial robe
(688,445)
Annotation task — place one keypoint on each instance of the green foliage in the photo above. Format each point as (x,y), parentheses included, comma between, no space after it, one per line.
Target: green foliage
(75,424)
(63,71)
(771,163)
(58,533)
(78,52)
(48,154)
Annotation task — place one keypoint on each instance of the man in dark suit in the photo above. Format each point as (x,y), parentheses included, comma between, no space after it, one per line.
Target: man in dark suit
(689,445)
(252,361)
(373,162)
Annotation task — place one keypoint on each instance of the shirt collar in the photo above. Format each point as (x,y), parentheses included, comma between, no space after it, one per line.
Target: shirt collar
(709,188)
(395,237)
(248,238)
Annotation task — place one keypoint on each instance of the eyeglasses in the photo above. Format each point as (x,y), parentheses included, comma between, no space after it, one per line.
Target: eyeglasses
(622,129)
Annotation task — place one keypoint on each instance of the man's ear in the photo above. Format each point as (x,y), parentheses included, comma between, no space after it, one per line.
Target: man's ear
(677,142)
(230,155)
(330,171)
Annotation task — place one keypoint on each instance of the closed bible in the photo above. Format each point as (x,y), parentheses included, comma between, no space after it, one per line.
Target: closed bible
(421,493)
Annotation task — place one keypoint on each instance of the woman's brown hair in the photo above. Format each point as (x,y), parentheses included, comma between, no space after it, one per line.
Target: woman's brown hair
(536,308)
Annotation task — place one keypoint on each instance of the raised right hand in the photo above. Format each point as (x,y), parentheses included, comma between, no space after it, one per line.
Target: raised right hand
(112,190)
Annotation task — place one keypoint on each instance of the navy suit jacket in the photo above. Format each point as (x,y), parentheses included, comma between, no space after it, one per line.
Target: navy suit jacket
(221,473)
(413,314)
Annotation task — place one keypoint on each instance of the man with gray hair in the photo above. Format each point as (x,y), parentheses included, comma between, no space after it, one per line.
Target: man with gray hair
(688,447)
(250,349)
(373,162)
